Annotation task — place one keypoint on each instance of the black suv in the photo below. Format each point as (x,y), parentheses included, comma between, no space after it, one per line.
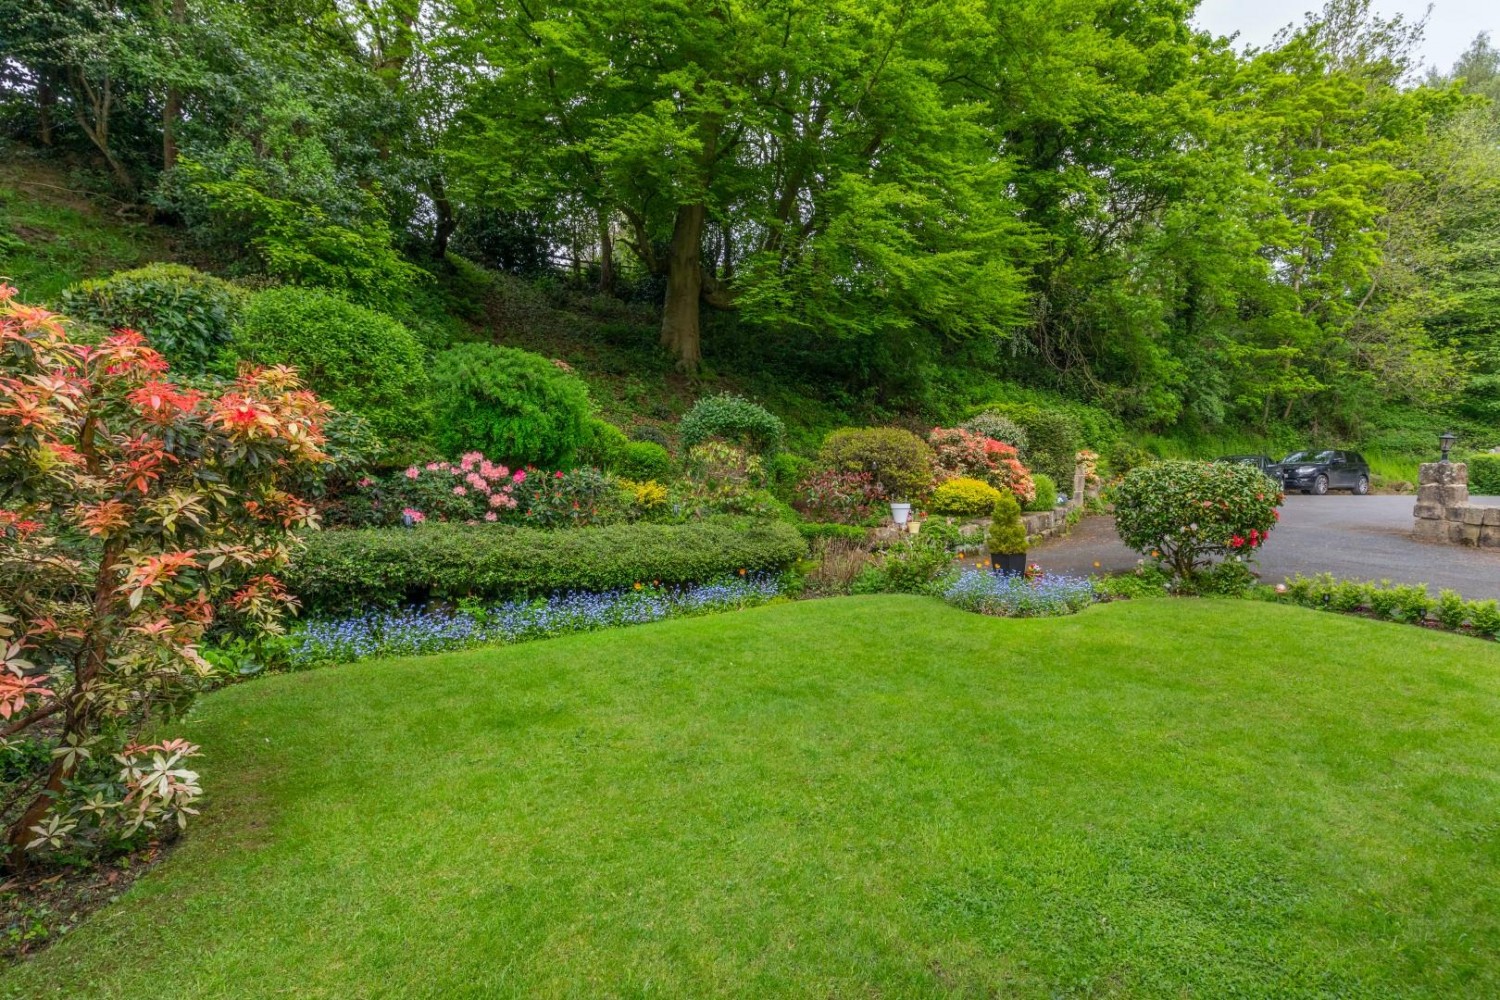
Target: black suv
(1264,463)
(1321,471)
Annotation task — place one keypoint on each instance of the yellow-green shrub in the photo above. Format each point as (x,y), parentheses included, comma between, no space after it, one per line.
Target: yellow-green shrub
(963,497)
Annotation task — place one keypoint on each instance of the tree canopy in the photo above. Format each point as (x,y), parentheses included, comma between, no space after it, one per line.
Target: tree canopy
(1091,196)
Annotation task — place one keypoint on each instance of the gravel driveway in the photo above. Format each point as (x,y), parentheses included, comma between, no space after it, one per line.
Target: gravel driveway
(1365,538)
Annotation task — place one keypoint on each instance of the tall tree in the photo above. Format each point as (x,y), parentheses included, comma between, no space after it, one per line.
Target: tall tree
(771,157)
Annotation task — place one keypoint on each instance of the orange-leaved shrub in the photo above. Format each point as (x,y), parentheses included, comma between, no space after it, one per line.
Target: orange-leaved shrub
(136,513)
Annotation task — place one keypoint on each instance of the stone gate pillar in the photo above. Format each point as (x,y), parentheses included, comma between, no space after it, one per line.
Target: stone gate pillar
(1443,512)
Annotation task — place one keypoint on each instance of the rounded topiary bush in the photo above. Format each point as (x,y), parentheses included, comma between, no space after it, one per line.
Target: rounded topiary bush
(1183,514)
(963,497)
(1007,534)
(901,462)
(510,404)
(1046,493)
(997,427)
(604,445)
(359,360)
(185,314)
(734,419)
(646,460)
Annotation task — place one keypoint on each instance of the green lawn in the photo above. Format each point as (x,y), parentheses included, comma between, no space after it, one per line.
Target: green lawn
(868,797)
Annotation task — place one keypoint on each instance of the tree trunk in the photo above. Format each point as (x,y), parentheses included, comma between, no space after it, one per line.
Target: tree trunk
(679,318)
(46,100)
(169,114)
(446,223)
(606,255)
(93,658)
(172,109)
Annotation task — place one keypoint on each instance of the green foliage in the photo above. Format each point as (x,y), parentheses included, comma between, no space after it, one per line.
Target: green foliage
(733,419)
(1230,578)
(1046,493)
(1146,580)
(725,479)
(646,460)
(1183,514)
(914,565)
(187,315)
(1007,534)
(651,433)
(1053,437)
(605,447)
(1125,455)
(963,497)
(296,242)
(1484,616)
(813,530)
(999,427)
(510,404)
(357,359)
(1451,610)
(942,531)
(346,570)
(901,462)
(1484,475)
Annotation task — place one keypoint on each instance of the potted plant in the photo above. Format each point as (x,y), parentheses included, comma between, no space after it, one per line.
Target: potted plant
(1007,536)
(900,512)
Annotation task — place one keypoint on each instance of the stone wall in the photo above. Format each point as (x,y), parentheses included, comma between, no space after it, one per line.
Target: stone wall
(1444,514)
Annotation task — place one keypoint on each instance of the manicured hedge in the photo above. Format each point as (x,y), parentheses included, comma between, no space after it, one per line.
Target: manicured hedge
(347,570)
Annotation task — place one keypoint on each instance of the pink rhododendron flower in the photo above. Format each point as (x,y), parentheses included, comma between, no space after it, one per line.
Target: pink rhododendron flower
(413,472)
(416,515)
(520,476)
(432,466)
(365,481)
(489,515)
(459,491)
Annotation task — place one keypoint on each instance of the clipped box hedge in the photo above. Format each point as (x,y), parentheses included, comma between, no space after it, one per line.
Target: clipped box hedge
(348,570)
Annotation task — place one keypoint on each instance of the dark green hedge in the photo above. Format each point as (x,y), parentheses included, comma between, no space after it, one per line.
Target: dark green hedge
(347,570)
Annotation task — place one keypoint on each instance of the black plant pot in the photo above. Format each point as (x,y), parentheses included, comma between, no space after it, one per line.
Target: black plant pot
(1010,565)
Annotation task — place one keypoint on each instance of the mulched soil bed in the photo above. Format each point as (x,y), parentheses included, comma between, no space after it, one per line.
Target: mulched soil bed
(42,904)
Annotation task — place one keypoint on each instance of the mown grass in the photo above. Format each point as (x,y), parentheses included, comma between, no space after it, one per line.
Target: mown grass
(861,797)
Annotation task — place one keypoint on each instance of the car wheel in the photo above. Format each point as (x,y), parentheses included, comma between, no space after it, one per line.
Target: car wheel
(1362,488)
(1320,485)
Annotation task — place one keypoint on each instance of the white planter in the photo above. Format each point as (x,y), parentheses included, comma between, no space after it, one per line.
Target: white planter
(900,513)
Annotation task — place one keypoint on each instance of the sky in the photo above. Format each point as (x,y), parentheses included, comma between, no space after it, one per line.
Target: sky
(1451,27)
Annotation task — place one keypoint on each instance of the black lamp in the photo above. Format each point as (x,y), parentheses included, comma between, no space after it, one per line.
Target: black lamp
(1446,440)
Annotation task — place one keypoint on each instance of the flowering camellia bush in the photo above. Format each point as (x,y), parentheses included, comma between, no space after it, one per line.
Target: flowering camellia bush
(964,454)
(1185,514)
(839,497)
(135,513)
